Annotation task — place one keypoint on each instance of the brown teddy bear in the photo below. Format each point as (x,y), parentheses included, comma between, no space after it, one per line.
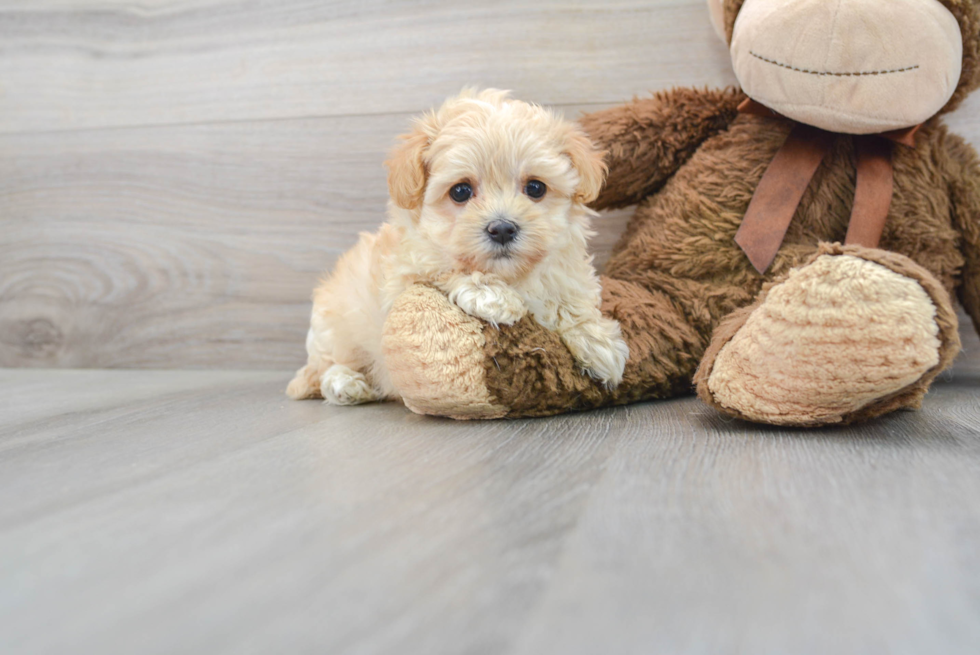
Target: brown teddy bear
(731,274)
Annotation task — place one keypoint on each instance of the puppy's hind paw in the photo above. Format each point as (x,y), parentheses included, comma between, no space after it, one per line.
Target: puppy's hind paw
(492,300)
(344,386)
(305,384)
(600,350)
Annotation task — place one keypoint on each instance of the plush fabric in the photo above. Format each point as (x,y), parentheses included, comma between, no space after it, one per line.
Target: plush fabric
(716,11)
(682,289)
(853,327)
(967,17)
(817,62)
(529,371)
(677,272)
(437,343)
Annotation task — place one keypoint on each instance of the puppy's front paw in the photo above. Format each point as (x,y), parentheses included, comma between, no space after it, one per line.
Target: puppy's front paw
(490,299)
(345,386)
(599,348)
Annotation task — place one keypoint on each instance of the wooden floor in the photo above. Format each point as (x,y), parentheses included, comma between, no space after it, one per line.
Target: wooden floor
(202,512)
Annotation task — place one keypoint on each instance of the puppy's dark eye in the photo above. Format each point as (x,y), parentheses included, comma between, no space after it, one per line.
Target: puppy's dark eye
(461,192)
(535,189)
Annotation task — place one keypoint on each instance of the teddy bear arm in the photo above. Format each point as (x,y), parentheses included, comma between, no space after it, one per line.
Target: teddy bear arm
(444,362)
(964,175)
(531,372)
(648,139)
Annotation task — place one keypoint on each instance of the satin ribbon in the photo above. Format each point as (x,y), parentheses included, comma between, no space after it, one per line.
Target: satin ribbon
(788,175)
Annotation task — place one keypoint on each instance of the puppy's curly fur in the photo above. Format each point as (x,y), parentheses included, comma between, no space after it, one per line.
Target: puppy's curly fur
(477,163)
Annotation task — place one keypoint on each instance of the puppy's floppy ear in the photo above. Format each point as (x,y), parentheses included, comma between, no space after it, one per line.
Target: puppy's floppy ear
(406,165)
(590,163)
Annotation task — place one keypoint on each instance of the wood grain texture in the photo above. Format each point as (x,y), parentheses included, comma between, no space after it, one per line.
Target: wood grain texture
(201,512)
(187,246)
(287,516)
(93,63)
(167,200)
(772,541)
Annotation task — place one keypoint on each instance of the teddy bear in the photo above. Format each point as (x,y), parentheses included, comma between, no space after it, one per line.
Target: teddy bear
(795,245)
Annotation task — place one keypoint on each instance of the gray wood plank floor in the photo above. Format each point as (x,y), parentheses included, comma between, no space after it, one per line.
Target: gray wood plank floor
(202,512)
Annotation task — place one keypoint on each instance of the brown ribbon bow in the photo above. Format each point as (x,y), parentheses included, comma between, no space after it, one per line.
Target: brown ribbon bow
(782,186)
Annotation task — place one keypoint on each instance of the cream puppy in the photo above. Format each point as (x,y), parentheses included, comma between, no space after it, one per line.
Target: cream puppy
(487,204)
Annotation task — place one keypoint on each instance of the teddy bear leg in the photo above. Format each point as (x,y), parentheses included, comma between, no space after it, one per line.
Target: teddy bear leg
(851,334)
(444,362)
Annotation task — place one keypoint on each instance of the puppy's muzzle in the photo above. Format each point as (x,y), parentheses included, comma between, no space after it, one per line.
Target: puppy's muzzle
(502,232)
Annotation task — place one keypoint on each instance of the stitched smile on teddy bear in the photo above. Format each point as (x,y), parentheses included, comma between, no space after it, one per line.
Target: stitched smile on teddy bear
(851,66)
(833,73)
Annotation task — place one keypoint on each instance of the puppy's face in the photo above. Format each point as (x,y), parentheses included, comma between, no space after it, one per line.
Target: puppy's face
(492,183)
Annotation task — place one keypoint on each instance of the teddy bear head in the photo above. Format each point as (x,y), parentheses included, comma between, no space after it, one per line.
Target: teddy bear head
(854,66)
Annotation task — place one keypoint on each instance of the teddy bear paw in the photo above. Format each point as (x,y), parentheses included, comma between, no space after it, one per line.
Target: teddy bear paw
(852,334)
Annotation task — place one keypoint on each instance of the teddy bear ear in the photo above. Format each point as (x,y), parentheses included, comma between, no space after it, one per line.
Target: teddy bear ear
(730,9)
(716,11)
(406,164)
(590,163)
(967,15)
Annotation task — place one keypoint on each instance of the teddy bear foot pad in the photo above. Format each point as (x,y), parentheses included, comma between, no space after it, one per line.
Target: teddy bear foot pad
(852,334)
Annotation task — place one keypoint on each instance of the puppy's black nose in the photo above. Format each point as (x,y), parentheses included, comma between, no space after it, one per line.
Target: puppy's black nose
(503,232)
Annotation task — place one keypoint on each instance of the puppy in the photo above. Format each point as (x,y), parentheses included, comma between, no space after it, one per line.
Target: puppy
(487,204)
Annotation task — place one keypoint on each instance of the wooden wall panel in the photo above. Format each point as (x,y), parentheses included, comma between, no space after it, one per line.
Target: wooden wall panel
(94,63)
(162,208)
(186,245)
